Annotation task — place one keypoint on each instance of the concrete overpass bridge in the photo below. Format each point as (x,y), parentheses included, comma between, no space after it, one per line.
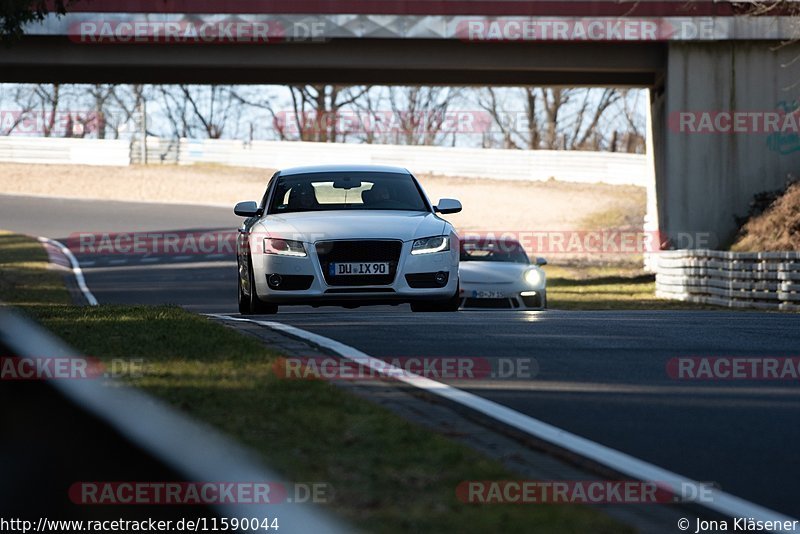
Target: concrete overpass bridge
(724,83)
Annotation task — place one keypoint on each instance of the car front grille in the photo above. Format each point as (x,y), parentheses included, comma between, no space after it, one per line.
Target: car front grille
(504,303)
(360,251)
(342,290)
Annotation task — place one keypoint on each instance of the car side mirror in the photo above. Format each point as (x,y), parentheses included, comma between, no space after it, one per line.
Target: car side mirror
(447,205)
(246,209)
(540,261)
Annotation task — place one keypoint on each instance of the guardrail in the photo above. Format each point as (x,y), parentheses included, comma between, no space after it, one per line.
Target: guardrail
(58,432)
(768,280)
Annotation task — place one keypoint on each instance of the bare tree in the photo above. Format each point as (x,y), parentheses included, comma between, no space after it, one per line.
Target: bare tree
(370,116)
(633,139)
(314,113)
(554,100)
(585,132)
(317,110)
(263,102)
(127,102)
(517,130)
(176,110)
(48,100)
(421,114)
(204,111)
(527,118)
(214,113)
(25,101)
(555,118)
(102,96)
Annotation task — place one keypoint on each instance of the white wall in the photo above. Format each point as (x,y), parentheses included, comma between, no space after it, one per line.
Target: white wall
(538,165)
(64,151)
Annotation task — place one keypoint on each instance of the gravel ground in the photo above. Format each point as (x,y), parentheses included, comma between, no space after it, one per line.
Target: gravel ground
(489,205)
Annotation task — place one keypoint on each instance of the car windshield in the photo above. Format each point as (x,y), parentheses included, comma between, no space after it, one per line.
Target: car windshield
(511,252)
(328,191)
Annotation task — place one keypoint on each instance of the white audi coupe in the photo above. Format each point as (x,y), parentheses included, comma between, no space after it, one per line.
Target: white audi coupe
(346,236)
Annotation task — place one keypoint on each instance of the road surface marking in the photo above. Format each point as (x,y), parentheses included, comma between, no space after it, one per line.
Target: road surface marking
(76,269)
(719,501)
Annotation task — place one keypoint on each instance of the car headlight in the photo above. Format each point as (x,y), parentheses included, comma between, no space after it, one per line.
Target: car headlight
(284,247)
(534,277)
(429,245)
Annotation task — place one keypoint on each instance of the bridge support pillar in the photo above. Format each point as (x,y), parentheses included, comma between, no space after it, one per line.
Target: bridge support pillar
(708,162)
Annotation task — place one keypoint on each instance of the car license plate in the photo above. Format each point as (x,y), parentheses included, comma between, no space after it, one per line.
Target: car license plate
(488,295)
(358,269)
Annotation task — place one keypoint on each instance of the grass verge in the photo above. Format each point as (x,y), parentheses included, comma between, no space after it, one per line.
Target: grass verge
(610,286)
(388,475)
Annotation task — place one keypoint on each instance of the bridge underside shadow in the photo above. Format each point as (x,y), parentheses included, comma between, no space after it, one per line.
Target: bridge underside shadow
(339,61)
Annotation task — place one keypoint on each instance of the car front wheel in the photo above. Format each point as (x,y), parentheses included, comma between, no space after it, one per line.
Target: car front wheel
(244,300)
(254,305)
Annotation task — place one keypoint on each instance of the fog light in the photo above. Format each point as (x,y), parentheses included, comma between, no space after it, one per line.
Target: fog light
(528,294)
(440,278)
(274,280)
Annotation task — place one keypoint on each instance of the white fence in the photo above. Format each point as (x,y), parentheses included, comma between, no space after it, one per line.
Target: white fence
(64,151)
(769,280)
(537,165)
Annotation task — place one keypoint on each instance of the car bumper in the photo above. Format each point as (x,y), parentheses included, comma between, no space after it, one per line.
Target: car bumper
(309,286)
(502,297)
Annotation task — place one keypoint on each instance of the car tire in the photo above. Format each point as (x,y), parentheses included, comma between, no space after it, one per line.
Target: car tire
(256,305)
(448,305)
(244,300)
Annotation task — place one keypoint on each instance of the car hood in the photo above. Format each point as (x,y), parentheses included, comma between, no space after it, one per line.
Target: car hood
(495,272)
(374,224)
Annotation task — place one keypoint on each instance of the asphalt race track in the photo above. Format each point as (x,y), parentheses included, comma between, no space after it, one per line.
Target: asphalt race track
(602,375)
